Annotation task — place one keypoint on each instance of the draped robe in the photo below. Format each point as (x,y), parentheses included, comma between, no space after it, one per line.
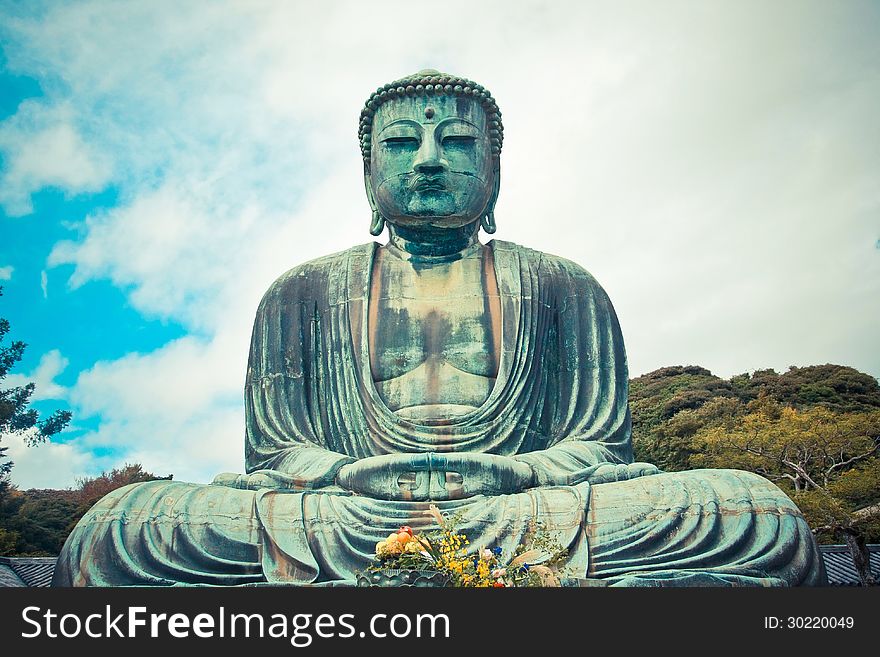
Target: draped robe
(559,403)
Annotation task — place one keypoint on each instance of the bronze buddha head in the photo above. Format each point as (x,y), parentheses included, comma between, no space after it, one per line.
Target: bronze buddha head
(431,144)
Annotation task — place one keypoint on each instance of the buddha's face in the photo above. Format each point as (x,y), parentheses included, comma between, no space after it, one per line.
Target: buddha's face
(431,161)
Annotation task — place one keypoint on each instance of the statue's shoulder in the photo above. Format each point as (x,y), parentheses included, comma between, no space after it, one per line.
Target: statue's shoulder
(561,273)
(311,279)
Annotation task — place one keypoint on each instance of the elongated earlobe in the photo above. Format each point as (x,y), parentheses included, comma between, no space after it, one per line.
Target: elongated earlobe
(378,224)
(488,222)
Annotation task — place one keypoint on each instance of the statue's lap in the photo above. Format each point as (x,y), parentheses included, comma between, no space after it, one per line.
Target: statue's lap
(695,527)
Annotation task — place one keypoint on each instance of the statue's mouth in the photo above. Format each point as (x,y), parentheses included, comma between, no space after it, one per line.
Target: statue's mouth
(427,183)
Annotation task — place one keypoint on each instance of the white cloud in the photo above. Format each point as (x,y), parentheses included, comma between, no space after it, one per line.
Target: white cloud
(192,449)
(177,379)
(6,273)
(50,465)
(51,364)
(43,148)
(714,166)
(175,410)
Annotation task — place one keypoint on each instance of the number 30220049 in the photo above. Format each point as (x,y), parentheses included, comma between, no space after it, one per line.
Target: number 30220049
(809,622)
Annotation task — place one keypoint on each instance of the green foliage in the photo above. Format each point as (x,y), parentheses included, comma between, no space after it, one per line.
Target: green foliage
(35,527)
(860,485)
(834,387)
(671,404)
(814,431)
(15,416)
(666,409)
(37,522)
(8,541)
(807,449)
(659,395)
(39,519)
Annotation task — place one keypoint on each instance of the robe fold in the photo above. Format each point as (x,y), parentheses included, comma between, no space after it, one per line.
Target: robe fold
(559,403)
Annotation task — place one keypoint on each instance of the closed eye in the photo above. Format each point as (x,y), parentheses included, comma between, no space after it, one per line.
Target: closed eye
(401,141)
(458,140)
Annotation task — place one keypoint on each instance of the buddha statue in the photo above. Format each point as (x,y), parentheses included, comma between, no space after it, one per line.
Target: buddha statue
(486,378)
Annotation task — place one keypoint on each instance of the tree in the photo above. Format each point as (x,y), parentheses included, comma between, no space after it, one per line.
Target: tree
(667,408)
(835,387)
(671,404)
(812,430)
(39,521)
(90,489)
(15,416)
(826,460)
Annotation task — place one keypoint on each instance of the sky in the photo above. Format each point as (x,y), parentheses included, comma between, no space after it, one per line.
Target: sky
(715,165)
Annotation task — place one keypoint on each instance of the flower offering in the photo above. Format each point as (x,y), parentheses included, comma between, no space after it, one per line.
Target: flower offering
(536,562)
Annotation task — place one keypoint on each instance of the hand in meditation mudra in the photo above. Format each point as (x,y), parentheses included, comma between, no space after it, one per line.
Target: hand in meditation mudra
(489,379)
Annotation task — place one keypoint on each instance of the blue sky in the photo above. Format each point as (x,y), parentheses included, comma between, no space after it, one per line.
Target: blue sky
(714,165)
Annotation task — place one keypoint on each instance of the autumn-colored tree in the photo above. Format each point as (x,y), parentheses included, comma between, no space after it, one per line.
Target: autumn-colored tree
(826,460)
(90,489)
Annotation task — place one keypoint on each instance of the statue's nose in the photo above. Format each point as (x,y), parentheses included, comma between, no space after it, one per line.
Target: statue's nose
(429,158)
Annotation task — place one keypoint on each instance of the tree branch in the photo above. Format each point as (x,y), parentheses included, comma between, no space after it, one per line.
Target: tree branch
(866,514)
(803,473)
(858,457)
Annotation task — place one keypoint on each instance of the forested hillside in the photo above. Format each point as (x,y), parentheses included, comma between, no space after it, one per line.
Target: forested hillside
(814,431)
(36,522)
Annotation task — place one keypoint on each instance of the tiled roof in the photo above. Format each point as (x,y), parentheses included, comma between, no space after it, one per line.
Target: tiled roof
(31,571)
(8,578)
(840,568)
(37,571)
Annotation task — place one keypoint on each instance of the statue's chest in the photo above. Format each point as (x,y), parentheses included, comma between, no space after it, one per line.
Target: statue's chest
(434,333)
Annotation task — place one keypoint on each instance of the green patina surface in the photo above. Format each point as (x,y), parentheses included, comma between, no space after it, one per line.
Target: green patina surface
(489,379)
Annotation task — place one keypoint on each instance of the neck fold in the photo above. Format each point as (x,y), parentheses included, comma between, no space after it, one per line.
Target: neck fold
(432,244)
